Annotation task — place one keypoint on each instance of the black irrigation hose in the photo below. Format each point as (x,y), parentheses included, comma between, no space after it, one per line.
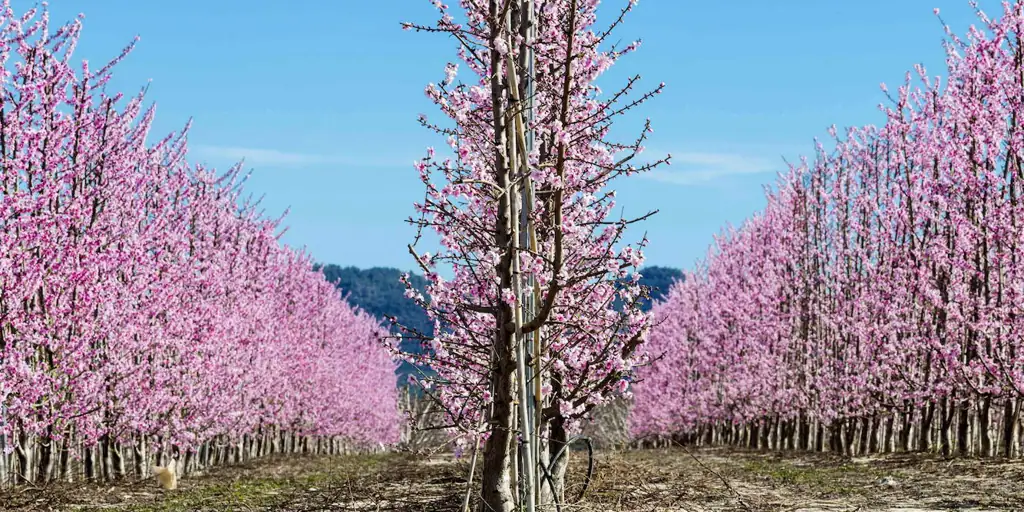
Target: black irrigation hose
(551,465)
(590,466)
(551,483)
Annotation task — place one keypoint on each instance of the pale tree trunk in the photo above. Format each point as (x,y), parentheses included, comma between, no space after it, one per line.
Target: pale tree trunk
(137,457)
(117,460)
(23,450)
(946,411)
(544,460)
(4,462)
(905,431)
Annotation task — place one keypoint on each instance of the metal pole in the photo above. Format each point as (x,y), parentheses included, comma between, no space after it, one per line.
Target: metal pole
(529,235)
(525,420)
(519,159)
(4,470)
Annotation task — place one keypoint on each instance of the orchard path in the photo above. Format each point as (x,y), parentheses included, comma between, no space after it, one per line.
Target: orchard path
(651,480)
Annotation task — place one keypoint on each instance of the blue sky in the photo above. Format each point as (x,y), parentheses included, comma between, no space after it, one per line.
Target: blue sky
(321,97)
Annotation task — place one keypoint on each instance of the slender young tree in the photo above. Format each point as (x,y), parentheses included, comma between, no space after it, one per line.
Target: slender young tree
(523,211)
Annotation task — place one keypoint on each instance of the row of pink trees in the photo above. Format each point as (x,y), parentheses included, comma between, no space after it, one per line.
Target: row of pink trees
(875,304)
(145,305)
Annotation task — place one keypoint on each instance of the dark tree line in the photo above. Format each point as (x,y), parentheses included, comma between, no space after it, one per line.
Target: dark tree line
(379,292)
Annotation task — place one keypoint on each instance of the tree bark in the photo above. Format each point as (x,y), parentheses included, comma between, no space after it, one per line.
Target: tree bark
(925,435)
(985,438)
(496,476)
(24,461)
(963,429)
(64,466)
(907,417)
(90,464)
(1009,427)
(890,424)
(876,424)
(117,460)
(804,432)
(865,435)
(45,466)
(946,411)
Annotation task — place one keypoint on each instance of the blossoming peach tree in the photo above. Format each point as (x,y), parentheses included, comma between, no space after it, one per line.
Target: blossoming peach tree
(534,294)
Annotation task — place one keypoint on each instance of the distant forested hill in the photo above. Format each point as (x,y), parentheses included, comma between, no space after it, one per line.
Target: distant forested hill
(660,279)
(379,292)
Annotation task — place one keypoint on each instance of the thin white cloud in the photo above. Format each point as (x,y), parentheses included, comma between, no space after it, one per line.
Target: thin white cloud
(275,158)
(689,168)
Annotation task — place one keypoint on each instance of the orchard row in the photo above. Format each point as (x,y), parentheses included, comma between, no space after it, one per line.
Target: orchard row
(146,306)
(876,302)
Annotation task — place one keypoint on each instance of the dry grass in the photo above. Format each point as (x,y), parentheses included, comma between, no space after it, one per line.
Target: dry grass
(651,480)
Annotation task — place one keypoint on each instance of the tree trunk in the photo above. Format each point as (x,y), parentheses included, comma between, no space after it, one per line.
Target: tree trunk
(804,434)
(963,429)
(139,457)
(556,442)
(117,460)
(45,467)
(983,427)
(105,457)
(789,428)
(925,435)
(64,466)
(946,412)
(765,438)
(848,438)
(189,463)
(835,437)
(776,439)
(865,434)
(1009,427)
(890,424)
(90,464)
(907,420)
(497,478)
(876,423)
(22,451)
(4,462)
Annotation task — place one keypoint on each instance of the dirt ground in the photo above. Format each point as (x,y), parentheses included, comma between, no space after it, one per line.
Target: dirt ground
(650,480)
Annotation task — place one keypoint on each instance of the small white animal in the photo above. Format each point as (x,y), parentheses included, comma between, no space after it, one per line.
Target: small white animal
(166,477)
(887,481)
